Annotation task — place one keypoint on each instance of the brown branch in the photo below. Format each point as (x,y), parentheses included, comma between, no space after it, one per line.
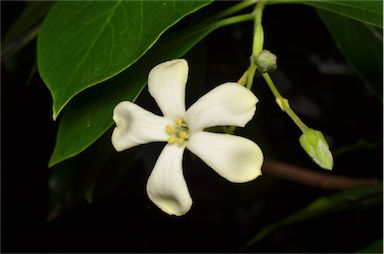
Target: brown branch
(313,178)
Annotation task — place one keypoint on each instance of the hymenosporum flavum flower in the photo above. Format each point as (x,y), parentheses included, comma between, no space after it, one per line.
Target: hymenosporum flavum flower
(235,158)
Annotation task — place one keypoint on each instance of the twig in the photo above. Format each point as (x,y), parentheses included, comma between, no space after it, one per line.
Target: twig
(313,178)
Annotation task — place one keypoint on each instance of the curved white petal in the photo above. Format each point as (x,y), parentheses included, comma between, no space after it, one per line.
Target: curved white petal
(135,126)
(166,186)
(227,104)
(166,84)
(235,158)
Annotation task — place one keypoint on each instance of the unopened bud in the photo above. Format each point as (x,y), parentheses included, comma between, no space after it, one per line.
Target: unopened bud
(316,146)
(266,61)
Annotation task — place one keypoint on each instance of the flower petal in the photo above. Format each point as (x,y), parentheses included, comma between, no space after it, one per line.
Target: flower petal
(166,84)
(235,158)
(135,126)
(166,186)
(227,104)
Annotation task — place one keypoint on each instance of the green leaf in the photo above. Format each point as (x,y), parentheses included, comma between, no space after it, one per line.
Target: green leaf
(362,46)
(25,28)
(375,247)
(370,12)
(94,174)
(89,115)
(366,195)
(81,44)
(360,144)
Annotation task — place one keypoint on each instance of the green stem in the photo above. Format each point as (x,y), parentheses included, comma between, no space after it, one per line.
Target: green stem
(243,80)
(258,41)
(272,86)
(233,9)
(259,11)
(258,37)
(283,103)
(210,21)
(251,74)
(208,27)
(231,20)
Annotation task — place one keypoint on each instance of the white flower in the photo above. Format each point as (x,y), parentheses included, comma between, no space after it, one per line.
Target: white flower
(234,158)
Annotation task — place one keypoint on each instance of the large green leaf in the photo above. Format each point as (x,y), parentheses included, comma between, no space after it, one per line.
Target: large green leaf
(92,175)
(365,195)
(362,46)
(89,115)
(370,11)
(81,44)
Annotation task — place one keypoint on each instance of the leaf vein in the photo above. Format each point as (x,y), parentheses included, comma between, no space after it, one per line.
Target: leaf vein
(94,42)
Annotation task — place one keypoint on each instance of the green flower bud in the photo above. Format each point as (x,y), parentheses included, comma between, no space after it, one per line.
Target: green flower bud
(315,145)
(266,61)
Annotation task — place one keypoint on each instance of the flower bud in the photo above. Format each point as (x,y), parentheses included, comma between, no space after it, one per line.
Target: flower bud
(266,61)
(315,145)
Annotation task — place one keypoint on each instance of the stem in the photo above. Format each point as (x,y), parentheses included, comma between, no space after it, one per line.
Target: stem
(258,37)
(259,11)
(231,20)
(210,24)
(216,18)
(251,74)
(272,86)
(313,178)
(243,80)
(233,9)
(283,103)
(258,41)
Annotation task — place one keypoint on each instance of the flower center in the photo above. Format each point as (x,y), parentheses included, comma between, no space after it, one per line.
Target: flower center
(178,132)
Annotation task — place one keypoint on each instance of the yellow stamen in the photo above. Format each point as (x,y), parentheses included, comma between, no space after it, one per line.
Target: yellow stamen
(178,132)
(169,129)
(179,122)
(182,134)
(171,140)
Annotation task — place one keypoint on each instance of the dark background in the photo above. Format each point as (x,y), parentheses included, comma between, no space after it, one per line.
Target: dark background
(322,89)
